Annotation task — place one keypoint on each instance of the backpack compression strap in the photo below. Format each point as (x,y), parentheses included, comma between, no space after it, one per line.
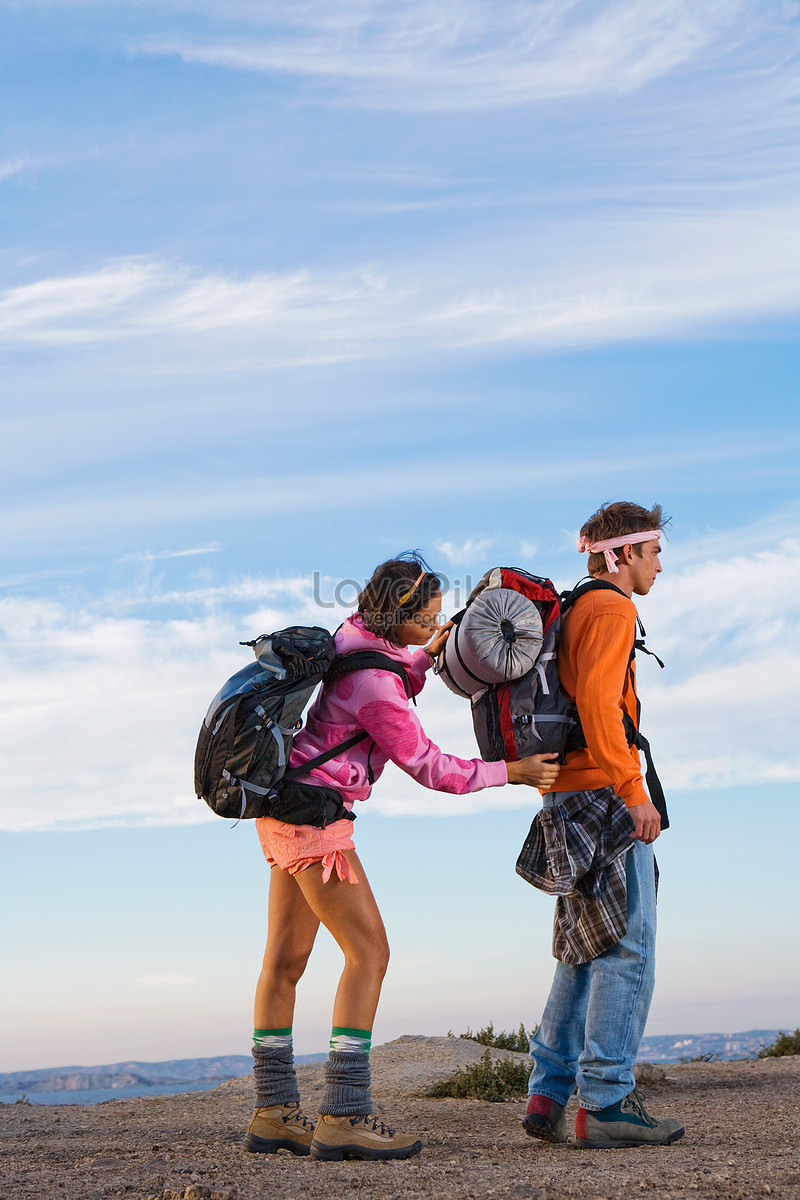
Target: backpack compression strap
(344,664)
(635,738)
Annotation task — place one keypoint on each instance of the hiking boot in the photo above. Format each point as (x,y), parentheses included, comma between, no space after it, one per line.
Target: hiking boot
(626,1123)
(282,1127)
(336,1138)
(545,1119)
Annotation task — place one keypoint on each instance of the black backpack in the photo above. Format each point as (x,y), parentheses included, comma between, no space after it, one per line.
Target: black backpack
(246,737)
(533,714)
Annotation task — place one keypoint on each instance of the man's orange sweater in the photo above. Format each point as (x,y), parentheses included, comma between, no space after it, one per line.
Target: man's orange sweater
(596,641)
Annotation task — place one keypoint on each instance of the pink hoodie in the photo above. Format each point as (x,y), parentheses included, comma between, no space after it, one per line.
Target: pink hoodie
(376,701)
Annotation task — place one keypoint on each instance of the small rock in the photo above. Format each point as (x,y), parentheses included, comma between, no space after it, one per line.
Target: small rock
(648,1074)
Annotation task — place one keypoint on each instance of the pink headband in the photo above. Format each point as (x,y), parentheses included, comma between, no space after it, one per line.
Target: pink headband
(607,547)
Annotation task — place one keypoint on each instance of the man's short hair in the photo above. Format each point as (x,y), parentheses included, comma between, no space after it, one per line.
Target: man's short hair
(617,519)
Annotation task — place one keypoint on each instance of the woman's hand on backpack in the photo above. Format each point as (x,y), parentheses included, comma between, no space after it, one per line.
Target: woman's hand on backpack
(435,645)
(540,770)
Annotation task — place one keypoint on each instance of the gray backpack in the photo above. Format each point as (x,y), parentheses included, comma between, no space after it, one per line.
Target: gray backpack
(246,737)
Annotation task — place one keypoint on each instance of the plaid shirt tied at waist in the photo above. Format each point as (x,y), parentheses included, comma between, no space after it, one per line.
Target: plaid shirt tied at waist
(575,850)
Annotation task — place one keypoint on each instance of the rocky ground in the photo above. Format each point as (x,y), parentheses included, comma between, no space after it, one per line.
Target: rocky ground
(742,1139)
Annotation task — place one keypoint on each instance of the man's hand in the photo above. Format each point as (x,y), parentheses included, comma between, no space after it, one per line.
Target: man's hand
(539,770)
(647,822)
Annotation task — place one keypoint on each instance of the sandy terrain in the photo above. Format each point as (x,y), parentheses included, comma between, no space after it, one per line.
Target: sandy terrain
(742,1139)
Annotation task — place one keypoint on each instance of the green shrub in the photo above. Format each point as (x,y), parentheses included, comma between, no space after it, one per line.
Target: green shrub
(519,1041)
(23,1099)
(785,1043)
(504,1079)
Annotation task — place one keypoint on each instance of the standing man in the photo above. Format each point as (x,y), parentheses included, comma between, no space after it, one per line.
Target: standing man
(605,928)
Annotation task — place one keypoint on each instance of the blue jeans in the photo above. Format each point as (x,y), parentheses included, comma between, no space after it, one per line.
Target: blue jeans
(595,1015)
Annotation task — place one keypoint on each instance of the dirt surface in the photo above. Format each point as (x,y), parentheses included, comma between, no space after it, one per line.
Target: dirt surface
(742,1139)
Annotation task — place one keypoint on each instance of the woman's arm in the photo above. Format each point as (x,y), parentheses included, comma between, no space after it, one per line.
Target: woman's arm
(381,709)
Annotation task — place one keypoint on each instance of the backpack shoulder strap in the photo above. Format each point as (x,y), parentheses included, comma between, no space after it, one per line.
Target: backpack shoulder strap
(304,768)
(597,585)
(364,660)
(344,664)
(568,598)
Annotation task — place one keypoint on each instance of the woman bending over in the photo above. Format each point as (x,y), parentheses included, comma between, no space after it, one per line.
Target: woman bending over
(316,875)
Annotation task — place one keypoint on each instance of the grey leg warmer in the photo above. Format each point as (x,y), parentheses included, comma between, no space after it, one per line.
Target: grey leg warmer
(346,1091)
(276,1082)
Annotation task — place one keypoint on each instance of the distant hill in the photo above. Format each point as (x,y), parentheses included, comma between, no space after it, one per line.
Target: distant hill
(197,1071)
(134,1074)
(723,1046)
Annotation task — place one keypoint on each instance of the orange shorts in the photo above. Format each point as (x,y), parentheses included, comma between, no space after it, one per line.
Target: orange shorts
(295,847)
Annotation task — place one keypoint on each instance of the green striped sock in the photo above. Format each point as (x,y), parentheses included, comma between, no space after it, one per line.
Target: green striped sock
(344,1038)
(273,1037)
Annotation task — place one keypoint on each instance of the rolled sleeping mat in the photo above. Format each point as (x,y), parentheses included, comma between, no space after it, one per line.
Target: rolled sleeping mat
(497,638)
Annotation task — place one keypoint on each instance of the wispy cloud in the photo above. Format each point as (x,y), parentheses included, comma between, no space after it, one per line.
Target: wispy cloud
(22,166)
(192,504)
(133,298)
(599,281)
(463,552)
(145,557)
(722,652)
(111,761)
(77,309)
(469,54)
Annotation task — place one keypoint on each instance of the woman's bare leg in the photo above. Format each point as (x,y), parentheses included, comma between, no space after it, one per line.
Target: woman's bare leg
(290,939)
(351,915)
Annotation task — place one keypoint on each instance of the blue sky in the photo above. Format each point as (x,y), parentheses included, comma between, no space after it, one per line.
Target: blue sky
(288,288)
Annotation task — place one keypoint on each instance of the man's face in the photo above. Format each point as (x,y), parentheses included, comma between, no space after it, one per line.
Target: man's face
(643,570)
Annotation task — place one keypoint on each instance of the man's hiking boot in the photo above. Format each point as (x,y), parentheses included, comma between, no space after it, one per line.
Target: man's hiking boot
(626,1123)
(282,1127)
(545,1119)
(336,1138)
